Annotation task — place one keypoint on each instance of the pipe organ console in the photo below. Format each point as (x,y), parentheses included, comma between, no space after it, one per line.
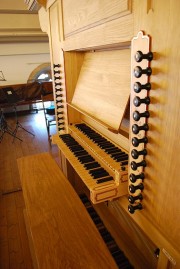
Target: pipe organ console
(115,76)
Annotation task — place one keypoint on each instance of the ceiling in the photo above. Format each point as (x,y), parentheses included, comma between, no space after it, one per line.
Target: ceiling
(18,24)
(23,45)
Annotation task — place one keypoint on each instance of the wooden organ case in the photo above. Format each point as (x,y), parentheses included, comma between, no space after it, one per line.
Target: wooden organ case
(117,117)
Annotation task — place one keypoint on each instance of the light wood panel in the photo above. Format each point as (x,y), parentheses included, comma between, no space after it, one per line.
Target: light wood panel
(85,14)
(162,188)
(57,59)
(89,24)
(103,87)
(73,63)
(137,247)
(155,235)
(63,233)
(115,32)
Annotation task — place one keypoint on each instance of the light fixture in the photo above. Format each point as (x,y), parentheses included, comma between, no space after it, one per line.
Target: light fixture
(2,78)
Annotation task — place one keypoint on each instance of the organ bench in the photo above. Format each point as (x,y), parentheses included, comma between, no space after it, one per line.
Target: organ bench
(61,233)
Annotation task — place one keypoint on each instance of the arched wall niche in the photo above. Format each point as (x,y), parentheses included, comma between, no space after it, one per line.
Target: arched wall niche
(41,69)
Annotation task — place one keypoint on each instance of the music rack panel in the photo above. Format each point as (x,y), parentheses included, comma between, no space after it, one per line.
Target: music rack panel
(102,89)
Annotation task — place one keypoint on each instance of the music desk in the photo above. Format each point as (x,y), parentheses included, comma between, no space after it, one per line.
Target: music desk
(61,231)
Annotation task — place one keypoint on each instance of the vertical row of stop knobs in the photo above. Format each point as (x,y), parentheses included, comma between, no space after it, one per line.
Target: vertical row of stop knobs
(59,97)
(135,197)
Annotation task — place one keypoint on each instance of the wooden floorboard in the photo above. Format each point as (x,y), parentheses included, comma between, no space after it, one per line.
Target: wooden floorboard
(14,246)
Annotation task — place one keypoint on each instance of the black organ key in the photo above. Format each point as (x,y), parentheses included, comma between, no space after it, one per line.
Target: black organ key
(112,150)
(80,153)
(102,141)
(105,146)
(94,136)
(100,175)
(75,148)
(104,180)
(103,231)
(120,258)
(105,142)
(97,171)
(124,163)
(98,141)
(103,174)
(122,158)
(91,133)
(114,248)
(117,154)
(65,135)
(93,173)
(86,159)
(107,237)
(71,143)
(92,165)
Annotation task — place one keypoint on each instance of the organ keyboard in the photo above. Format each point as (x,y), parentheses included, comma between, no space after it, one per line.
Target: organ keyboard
(101,164)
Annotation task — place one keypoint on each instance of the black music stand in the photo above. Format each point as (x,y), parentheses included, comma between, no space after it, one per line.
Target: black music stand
(14,99)
(5,128)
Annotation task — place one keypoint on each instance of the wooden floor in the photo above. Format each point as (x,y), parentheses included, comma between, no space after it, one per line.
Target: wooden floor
(14,248)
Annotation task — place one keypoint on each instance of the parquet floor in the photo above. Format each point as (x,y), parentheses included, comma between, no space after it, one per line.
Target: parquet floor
(14,247)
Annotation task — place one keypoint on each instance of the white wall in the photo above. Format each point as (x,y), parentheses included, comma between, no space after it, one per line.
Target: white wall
(23,45)
(17,61)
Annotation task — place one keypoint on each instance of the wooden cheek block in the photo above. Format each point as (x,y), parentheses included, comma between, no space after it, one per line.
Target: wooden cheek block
(61,233)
